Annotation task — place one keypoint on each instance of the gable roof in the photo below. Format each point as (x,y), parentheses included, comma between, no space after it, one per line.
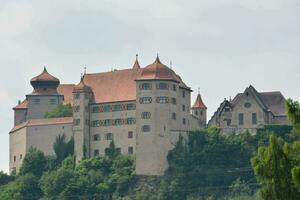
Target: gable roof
(118,85)
(275,101)
(269,101)
(42,122)
(67,91)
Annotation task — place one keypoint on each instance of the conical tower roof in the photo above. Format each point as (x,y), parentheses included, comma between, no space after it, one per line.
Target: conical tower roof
(199,103)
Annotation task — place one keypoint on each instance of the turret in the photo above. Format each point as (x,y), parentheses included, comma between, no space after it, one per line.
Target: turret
(82,97)
(44,97)
(199,110)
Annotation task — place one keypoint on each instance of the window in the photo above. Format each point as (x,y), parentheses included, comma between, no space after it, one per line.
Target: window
(201,112)
(183,94)
(95,123)
(162,100)
(228,122)
(117,107)
(227,109)
(247,105)
(52,101)
(76,122)
(76,108)
(36,101)
(174,116)
(130,134)
(77,95)
(96,152)
(162,86)
(146,115)
(184,121)
(107,108)
(118,122)
(15,158)
(173,100)
(107,122)
(241,119)
(96,137)
(183,107)
(130,106)
(146,128)
(174,87)
(95,109)
(21,156)
(109,136)
(254,118)
(196,112)
(130,150)
(130,120)
(145,86)
(145,100)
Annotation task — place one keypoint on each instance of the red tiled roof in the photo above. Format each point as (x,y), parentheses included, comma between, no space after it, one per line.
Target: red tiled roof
(22,105)
(199,103)
(44,76)
(118,85)
(41,122)
(67,91)
(82,86)
(158,71)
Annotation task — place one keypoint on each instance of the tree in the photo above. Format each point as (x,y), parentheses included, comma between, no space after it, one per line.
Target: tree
(293,112)
(61,111)
(23,188)
(5,178)
(203,161)
(112,151)
(34,162)
(272,166)
(62,148)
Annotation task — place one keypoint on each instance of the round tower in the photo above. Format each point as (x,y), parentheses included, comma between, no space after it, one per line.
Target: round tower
(157,114)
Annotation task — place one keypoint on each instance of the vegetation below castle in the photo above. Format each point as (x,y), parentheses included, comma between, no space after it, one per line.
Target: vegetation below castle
(205,165)
(61,111)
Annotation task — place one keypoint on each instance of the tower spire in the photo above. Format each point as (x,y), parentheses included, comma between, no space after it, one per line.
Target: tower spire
(136,64)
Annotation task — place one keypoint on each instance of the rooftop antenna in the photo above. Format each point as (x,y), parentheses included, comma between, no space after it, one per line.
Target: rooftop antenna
(198,90)
(85,69)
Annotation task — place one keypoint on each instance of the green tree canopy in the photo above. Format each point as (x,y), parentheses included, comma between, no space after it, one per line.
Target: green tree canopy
(293,112)
(62,148)
(61,111)
(273,166)
(34,162)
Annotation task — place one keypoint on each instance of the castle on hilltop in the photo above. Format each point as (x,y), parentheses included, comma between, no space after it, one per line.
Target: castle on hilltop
(143,110)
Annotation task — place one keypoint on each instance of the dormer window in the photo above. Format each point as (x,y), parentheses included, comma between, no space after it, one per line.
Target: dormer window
(227,109)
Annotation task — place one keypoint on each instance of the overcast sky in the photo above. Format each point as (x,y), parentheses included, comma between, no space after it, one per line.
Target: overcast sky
(221,46)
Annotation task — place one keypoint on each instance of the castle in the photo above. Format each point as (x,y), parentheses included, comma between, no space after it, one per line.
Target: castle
(143,110)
